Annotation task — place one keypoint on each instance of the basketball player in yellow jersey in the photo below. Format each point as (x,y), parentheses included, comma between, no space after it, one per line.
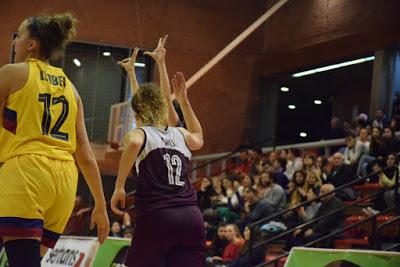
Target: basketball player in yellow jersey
(42,132)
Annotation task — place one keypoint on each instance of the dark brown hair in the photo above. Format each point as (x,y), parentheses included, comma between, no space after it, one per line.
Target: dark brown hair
(52,32)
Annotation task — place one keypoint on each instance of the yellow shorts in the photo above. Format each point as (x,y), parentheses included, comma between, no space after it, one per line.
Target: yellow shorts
(37,196)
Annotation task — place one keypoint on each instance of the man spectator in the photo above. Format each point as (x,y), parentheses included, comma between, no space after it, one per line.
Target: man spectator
(380,120)
(341,174)
(276,196)
(324,226)
(254,207)
(336,130)
(279,168)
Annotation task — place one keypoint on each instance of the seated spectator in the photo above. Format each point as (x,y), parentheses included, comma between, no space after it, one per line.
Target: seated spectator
(115,230)
(320,168)
(354,150)
(308,163)
(324,226)
(128,233)
(263,186)
(279,167)
(254,207)
(276,196)
(380,120)
(297,189)
(308,213)
(247,181)
(395,123)
(294,162)
(363,137)
(257,255)
(312,181)
(245,163)
(235,201)
(76,222)
(235,243)
(375,151)
(390,144)
(204,194)
(388,178)
(218,199)
(342,174)
(219,242)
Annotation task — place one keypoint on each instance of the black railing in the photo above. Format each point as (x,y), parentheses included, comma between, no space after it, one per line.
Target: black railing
(355,181)
(378,234)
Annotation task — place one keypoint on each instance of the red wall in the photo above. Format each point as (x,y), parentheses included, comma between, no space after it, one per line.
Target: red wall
(311,32)
(197,31)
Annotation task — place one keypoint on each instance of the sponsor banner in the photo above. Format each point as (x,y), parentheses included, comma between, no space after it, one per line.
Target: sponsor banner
(112,252)
(314,257)
(71,251)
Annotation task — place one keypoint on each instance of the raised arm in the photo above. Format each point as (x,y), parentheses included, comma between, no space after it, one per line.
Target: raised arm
(129,65)
(133,142)
(194,133)
(88,165)
(159,57)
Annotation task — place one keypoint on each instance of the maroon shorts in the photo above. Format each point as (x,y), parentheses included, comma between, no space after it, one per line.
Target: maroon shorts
(172,237)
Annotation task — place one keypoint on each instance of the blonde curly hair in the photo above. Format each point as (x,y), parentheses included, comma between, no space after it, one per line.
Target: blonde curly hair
(149,104)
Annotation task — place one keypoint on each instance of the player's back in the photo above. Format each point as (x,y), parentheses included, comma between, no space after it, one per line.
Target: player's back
(40,117)
(162,171)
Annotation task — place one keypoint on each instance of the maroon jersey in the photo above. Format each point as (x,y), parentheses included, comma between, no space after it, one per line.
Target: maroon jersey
(162,171)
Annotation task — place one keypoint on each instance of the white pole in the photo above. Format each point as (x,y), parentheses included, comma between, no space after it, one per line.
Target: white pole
(234,43)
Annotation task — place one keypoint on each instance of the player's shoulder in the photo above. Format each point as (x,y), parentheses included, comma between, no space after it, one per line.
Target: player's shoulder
(134,137)
(15,69)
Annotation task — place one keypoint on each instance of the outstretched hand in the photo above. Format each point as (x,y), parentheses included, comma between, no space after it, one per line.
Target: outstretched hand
(99,218)
(179,85)
(129,63)
(159,53)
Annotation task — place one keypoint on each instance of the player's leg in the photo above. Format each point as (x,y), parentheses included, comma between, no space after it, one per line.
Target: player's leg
(22,251)
(26,195)
(57,216)
(191,249)
(155,234)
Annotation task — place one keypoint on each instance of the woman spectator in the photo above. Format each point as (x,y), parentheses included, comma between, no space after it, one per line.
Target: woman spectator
(219,243)
(218,199)
(388,178)
(308,213)
(236,242)
(375,151)
(204,194)
(389,142)
(354,150)
(263,186)
(258,254)
(235,201)
(247,181)
(309,163)
(312,181)
(320,167)
(115,230)
(297,189)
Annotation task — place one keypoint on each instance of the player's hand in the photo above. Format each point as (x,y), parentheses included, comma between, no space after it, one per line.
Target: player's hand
(129,63)
(159,53)
(179,85)
(118,199)
(100,219)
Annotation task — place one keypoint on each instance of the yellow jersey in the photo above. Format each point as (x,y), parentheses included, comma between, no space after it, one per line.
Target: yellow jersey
(40,118)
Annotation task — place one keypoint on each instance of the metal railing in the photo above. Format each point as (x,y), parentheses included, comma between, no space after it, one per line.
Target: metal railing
(289,231)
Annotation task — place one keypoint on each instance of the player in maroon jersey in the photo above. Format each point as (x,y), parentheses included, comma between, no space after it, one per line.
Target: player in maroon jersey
(169,227)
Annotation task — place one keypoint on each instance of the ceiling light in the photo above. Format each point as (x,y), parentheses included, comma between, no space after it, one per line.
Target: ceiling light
(303,134)
(317,102)
(137,64)
(284,89)
(77,62)
(106,54)
(334,66)
(292,107)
